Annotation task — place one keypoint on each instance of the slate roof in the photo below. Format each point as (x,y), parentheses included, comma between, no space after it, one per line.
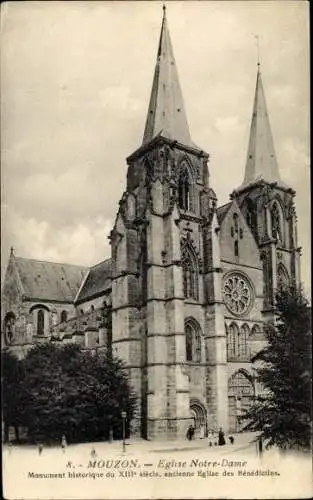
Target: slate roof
(97,281)
(49,280)
(222,211)
(261,161)
(166,113)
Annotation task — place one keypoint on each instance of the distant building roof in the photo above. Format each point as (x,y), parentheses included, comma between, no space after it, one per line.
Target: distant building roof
(97,281)
(222,211)
(49,280)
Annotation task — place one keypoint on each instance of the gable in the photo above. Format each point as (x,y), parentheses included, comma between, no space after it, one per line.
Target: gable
(12,290)
(231,231)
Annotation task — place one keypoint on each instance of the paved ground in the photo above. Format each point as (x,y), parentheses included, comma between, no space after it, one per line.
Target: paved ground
(242,443)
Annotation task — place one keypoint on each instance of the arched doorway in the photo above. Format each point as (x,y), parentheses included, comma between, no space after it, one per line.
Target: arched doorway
(199,415)
(240,398)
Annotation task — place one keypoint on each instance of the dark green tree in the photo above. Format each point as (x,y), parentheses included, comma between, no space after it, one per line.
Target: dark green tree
(72,392)
(12,393)
(283,413)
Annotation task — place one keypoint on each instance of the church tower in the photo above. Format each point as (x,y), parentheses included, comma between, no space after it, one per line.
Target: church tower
(167,310)
(268,205)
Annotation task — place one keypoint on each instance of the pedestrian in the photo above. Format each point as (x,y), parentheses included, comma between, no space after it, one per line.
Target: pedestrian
(192,432)
(40,448)
(210,437)
(93,453)
(63,443)
(221,437)
(231,439)
(189,433)
(260,446)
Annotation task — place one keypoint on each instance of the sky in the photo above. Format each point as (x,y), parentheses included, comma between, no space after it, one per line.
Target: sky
(75,88)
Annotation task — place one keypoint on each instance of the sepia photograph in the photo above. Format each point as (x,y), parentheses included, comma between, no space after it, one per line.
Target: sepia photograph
(156,334)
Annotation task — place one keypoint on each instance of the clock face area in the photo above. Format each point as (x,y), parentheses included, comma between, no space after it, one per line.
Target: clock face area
(238,296)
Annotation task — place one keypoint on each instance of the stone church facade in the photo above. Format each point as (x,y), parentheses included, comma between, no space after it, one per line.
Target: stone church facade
(189,285)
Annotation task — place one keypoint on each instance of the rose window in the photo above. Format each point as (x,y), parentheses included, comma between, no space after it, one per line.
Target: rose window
(237,294)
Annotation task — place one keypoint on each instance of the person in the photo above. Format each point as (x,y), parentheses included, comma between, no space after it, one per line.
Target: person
(93,453)
(210,437)
(260,446)
(63,442)
(40,448)
(231,439)
(221,437)
(189,433)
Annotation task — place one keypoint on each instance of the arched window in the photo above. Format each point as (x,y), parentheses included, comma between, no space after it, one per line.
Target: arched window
(243,341)
(236,248)
(240,398)
(184,190)
(236,233)
(256,333)
(276,222)
(189,339)
(282,276)
(9,326)
(232,340)
(193,341)
(190,273)
(63,316)
(251,213)
(235,217)
(40,322)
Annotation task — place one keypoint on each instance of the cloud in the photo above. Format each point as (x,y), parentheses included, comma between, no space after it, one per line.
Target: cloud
(83,244)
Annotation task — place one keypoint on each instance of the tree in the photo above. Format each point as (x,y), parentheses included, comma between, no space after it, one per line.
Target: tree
(12,393)
(72,392)
(283,412)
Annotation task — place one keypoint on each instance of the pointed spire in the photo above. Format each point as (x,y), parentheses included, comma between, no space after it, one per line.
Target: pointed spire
(166,113)
(261,158)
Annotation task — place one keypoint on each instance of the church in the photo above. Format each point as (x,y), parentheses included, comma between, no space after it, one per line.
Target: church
(184,297)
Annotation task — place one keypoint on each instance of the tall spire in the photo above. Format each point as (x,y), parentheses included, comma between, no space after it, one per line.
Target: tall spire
(166,113)
(261,158)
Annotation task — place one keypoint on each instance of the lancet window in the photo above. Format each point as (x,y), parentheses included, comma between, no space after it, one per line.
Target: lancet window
(9,326)
(40,322)
(251,214)
(190,273)
(232,336)
(63,316)
(185,189)
(243,341)
(276,222)
(193,341)
(237,342)
(282,276)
